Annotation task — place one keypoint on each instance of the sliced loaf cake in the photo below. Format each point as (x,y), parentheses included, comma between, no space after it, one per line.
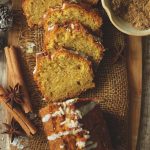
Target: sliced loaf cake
(73,12)
(62,75)
(75,37)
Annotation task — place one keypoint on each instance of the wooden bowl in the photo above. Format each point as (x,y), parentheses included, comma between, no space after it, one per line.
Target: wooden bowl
(121,24)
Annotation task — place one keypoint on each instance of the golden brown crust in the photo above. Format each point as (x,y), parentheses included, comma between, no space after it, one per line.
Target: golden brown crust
(68,54)
(96,18)
(77,27)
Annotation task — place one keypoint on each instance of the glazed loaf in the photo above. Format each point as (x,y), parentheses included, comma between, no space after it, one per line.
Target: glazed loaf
(73,12)
(62,75)
(75,125)
(75,37)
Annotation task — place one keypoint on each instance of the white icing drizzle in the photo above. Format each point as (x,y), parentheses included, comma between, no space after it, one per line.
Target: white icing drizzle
(43,99)
(68,29)
(51,27)
(86,136)
(87,108)
(62,123)
(78,113)
(35,70)
(46,118)
(72,123)
(68,102)
(89,143)
(80,144)
(61,111)
(62,146)
(93,146)
(74,1)
(71,101)
(72,26)
(60,134)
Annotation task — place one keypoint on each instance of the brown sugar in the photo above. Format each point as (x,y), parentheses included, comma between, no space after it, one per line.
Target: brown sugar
(136,12)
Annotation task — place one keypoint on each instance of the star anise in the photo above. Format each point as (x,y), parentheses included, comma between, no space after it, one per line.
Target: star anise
(14,95)
(14,130)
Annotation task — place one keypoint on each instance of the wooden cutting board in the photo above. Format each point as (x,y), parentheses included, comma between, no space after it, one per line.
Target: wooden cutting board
(134,62)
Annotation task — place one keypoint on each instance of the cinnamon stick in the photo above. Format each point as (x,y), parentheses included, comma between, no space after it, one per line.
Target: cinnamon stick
(16,76)
(19,116)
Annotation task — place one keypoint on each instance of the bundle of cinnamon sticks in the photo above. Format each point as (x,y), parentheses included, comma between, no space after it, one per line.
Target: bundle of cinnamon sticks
(16,78)
(16,75)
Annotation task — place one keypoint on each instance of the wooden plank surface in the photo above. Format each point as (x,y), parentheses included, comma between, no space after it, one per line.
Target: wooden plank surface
(135,87)
(144,132)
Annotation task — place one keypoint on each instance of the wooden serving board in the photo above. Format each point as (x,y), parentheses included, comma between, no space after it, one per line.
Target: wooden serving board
(135,87)
(134,61)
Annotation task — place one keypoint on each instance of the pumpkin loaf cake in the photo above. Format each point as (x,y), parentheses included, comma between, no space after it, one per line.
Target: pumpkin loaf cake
(72,12)
(75,37)
(62,75)
(75,125)
(35,9)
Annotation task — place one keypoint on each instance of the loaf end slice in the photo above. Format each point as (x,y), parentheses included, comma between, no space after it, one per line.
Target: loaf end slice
(62,75)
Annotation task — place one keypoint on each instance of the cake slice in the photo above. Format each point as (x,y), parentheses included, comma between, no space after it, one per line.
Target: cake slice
(75,125)
(62,75)
(35,9)
(73,12)
(75,37)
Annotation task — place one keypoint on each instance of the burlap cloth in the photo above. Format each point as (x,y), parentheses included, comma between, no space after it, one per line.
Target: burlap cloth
(111,81)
